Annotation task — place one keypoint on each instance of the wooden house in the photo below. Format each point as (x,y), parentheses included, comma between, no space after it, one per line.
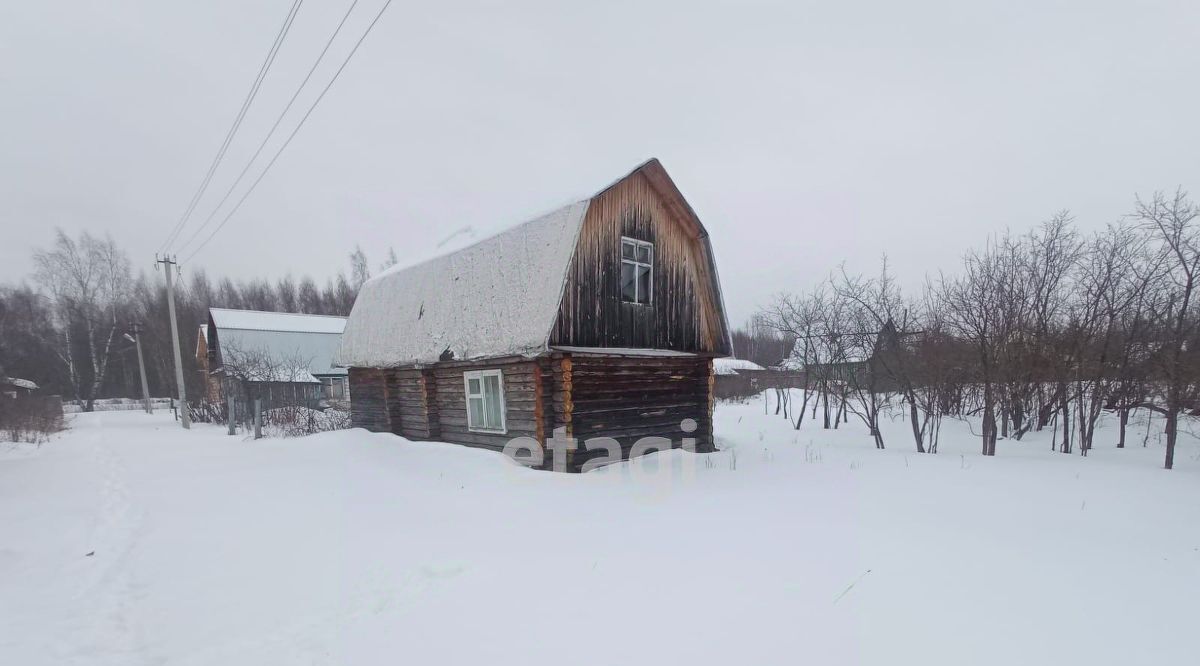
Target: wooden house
(598,319)
(281,357)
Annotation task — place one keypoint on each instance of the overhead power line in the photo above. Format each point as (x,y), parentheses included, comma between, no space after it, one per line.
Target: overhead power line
(208,220)
(291,136)
(237,123)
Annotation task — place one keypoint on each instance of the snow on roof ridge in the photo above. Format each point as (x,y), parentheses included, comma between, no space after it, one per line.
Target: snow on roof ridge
(490,237)
(498,296)
(500,232)
(495,297)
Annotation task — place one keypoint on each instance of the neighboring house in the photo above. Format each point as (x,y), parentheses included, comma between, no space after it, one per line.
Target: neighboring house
(883,348)
(738,378)
(727,367)
(846,369)
(599,319)
(281,357)
(212,386)
(14,388)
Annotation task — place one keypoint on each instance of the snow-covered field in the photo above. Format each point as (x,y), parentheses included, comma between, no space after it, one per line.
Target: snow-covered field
(128,541)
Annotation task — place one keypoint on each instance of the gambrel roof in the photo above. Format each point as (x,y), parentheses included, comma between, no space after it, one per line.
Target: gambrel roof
(498,297)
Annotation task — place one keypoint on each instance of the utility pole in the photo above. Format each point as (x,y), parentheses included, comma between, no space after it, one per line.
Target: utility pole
(169,265)
(137,339)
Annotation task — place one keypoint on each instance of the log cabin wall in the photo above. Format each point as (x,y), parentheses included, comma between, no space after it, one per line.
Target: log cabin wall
(684,312)
(369,409)
(586,395)
(556,394)
(522,387)
(409,402)
(628,398)
(428,389)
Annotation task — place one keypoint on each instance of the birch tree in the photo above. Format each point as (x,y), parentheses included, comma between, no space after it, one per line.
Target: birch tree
(86,281)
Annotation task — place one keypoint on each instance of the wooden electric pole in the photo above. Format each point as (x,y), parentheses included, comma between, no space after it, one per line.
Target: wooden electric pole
(169,265)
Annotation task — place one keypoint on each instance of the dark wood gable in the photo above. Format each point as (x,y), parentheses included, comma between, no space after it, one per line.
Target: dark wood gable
(685,310)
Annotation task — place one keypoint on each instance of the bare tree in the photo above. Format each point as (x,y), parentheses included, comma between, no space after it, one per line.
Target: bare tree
(87,281)
(390,261)
(884,326)
(1106,287)
(983,306)
(287,297)
(1043,328)
(806,320)
(308,297)
(1172,223)
(360,271)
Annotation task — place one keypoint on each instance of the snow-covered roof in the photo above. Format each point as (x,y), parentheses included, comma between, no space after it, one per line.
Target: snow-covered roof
(284,337)
(795,363)
(730,366)
(19,383)
(791,363)
(497,297)
(257,320)
(282,374)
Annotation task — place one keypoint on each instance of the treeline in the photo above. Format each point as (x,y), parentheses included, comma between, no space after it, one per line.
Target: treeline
(761,343)
(64,327)
(1048,328)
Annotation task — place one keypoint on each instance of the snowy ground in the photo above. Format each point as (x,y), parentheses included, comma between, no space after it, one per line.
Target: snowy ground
(128,541)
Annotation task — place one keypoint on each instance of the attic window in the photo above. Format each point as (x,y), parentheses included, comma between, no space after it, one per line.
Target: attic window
(485,400)
(637,270)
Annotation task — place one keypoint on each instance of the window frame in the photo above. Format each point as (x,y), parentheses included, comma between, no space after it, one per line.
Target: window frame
(328,384)
(482,395)
(636,263)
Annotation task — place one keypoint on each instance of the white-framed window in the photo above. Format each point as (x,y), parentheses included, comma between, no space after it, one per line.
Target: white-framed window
(485,400)
(333,388)
(637,270)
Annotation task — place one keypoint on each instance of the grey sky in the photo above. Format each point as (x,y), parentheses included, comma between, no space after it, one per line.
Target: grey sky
(804,134)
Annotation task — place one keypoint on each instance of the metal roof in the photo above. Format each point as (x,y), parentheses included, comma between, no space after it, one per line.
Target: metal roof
(257,320)
(308,340)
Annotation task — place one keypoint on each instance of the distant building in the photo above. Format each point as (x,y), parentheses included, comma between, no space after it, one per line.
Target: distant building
(599,320)
(851,366)
(13,388)
(726,367)
(738,377)
(271,355)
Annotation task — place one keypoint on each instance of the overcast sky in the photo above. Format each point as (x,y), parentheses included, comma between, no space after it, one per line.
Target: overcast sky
(803,134)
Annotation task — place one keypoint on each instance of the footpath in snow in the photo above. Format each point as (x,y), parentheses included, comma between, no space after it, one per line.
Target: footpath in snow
(126,540)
